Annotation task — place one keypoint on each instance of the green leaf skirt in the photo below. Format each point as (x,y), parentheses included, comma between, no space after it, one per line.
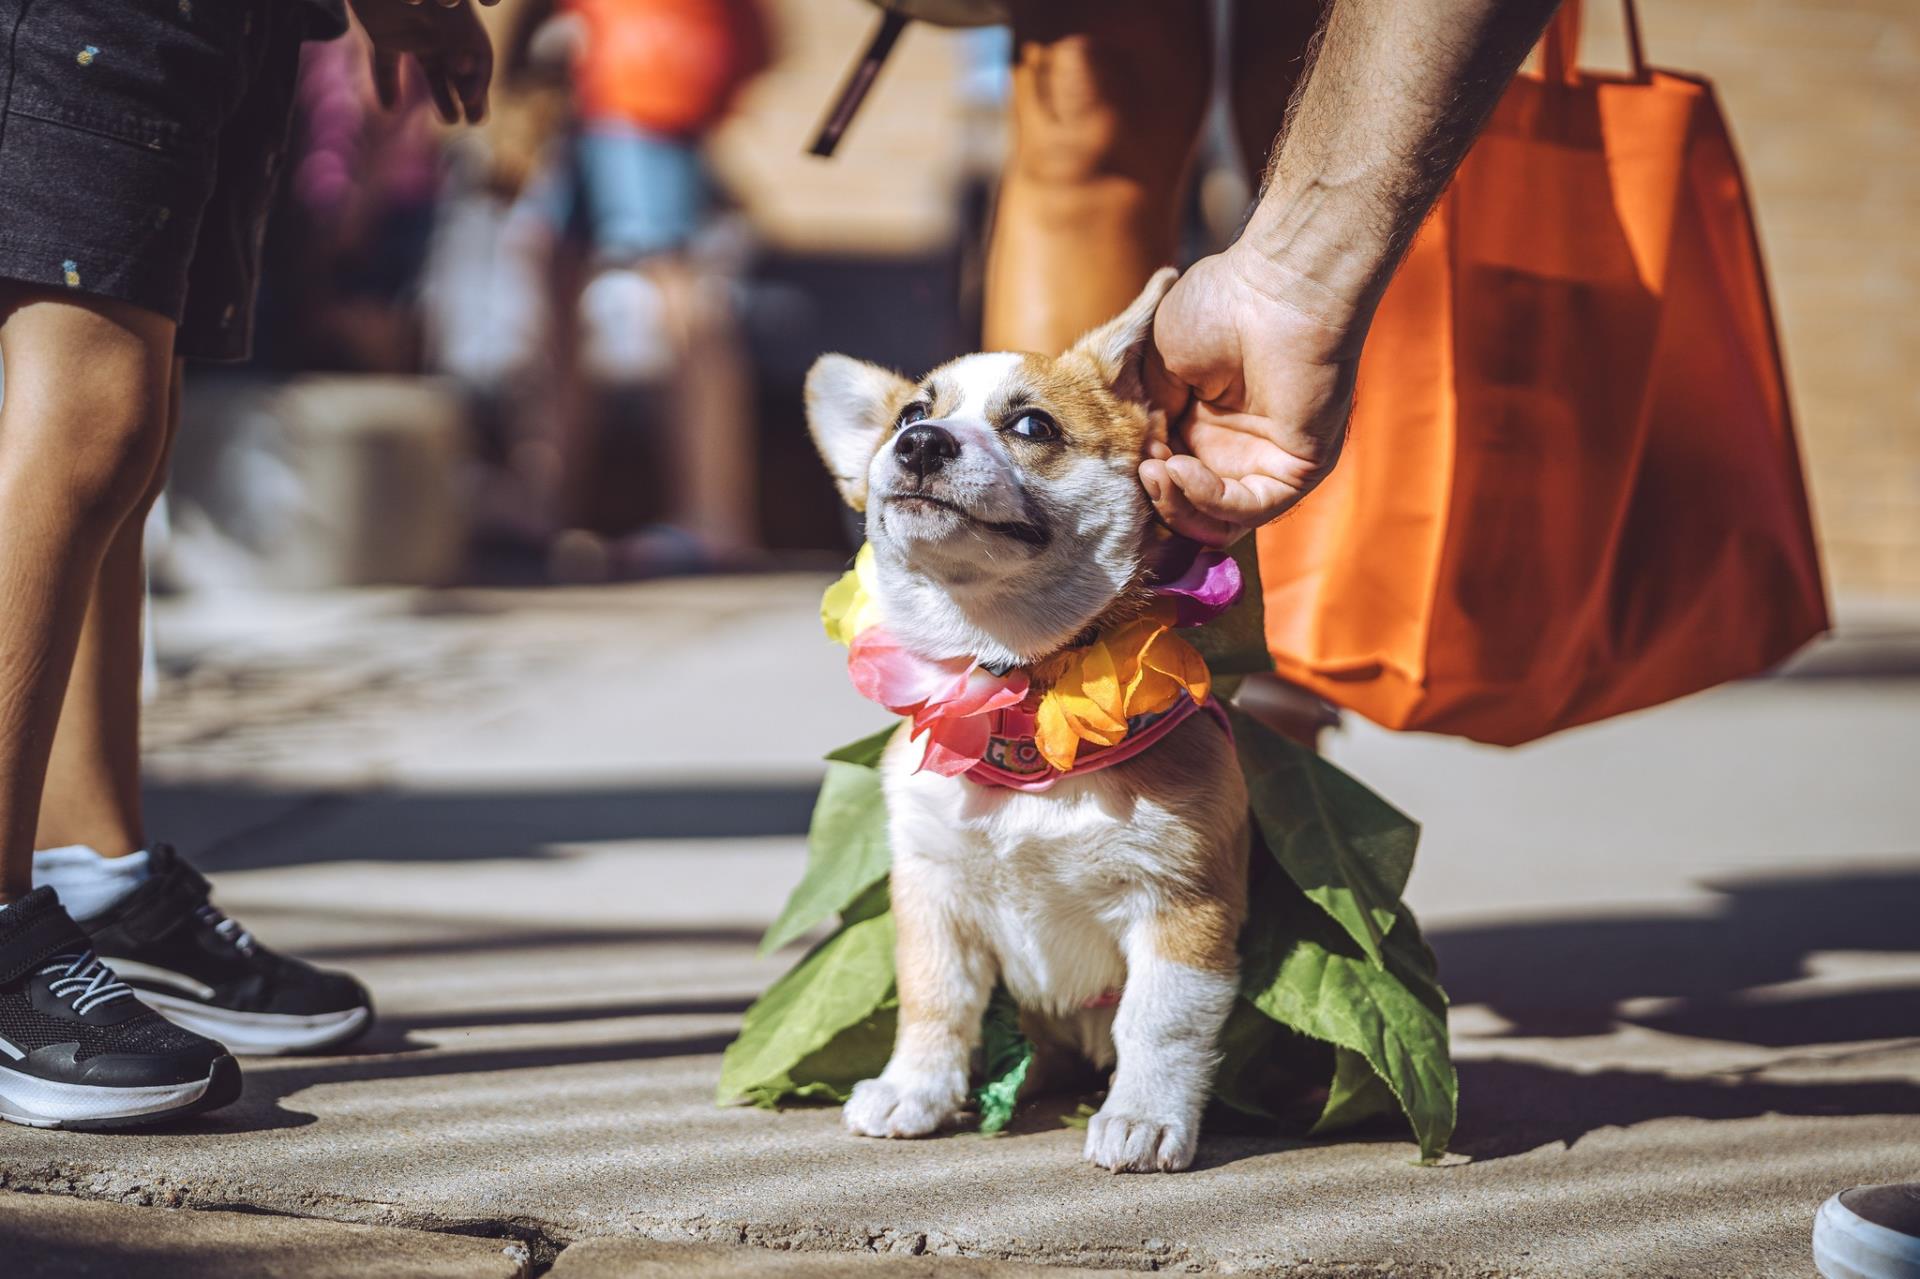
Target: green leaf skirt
(1340,1016)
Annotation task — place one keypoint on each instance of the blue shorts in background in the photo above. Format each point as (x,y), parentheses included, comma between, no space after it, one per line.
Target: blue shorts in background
(640,192)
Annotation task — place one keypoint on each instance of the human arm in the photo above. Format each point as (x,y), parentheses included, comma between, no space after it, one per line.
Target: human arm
(1257,347)
(447,41)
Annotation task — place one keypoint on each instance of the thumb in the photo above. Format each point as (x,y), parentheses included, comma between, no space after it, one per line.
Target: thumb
(1176,507)
(1241,502)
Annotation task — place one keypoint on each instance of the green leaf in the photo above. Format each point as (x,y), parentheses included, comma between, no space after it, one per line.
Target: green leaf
(1349,850)
(875,899)
(1007,1053)
(856,1053)
(846,848)
(867,751)
(1413,961)
(823,1027)
(1078,1117)
(1268,1070)
(1307,974)
(1355,1095)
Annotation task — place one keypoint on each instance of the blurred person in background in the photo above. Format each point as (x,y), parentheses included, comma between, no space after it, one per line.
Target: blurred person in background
(649,81)
(499,280)
(362,188)
(141,148)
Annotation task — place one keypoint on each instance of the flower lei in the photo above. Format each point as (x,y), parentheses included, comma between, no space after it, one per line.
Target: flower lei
(1086,696)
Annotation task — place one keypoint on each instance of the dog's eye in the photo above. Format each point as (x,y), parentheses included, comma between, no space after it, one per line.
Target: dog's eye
(909,415)
(1035,426)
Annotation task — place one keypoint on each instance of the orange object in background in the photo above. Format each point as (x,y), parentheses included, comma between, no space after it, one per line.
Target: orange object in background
(1572,487)
(671,66)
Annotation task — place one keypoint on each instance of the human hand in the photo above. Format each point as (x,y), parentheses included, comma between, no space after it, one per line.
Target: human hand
(445,37)
(1255,370)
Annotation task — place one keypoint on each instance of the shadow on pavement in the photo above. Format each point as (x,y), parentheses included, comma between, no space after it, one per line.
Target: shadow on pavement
(40,1250)
(261,1103)
(1510,1107)
(559,1014)
(496,939)
(1566,977)
(361,1069)
(301,827)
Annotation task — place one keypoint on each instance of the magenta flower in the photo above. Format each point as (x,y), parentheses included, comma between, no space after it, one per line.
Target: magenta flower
(1206,588)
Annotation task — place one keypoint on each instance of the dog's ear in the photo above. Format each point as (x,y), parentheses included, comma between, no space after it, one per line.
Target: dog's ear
(850,405)
(1117,347)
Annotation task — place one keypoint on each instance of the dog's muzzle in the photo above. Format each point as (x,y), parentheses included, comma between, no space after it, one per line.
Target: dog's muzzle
(925,447)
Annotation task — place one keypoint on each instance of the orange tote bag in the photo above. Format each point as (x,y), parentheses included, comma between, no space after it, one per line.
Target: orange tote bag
(1571,487)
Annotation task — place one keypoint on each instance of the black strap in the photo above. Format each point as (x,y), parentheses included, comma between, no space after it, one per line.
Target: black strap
(860,78)
(30,945)
(165,902)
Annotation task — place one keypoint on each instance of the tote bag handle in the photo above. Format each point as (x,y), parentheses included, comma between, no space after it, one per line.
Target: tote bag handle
(1560,48)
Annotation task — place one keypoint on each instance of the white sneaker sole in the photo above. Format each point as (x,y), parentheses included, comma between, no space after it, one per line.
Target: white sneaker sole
(46,1103)
(1847,1246)
(259,1034)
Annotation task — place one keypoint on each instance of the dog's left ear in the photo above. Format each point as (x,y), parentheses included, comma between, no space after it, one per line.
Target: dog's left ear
(850,406)
(1117,347)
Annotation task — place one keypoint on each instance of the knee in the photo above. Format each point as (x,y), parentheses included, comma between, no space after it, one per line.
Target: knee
(1111,114)
(99,440)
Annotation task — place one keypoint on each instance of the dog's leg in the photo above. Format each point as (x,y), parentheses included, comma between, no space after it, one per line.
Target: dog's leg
(1182,975)
(945,974)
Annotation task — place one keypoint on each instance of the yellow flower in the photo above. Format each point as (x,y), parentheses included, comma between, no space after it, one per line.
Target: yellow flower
(851,604)
(1139,668)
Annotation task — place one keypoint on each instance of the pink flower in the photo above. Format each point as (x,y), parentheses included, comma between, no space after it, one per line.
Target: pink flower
(950,701)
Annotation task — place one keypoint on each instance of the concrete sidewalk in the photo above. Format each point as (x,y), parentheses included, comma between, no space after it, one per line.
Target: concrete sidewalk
(547,828)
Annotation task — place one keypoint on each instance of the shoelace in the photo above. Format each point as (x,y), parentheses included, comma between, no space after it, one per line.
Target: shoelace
(229,930)
(84,981)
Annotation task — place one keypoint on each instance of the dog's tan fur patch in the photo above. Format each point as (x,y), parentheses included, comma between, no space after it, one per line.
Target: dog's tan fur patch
(1203,933)
(1094,418)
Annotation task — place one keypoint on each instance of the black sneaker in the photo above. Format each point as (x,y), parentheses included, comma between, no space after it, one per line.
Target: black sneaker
(207,973)
(77,1047)
(1869,1232)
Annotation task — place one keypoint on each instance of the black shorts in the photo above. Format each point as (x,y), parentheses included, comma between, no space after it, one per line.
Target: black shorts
(140,142)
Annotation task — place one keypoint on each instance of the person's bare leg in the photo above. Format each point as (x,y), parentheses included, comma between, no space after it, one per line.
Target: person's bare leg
(92,792)
(1266,57)
(711,445)
(1108,99)
(81,431)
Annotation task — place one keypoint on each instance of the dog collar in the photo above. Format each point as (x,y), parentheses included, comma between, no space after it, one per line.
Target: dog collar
(1089,706)
(1013,759)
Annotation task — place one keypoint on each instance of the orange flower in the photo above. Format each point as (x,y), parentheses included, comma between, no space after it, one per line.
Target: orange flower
(1139,668)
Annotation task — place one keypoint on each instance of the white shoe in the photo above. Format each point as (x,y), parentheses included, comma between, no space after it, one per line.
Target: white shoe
(1869,1232)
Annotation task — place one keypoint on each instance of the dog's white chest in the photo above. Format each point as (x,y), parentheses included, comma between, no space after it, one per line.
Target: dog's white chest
(1053,881)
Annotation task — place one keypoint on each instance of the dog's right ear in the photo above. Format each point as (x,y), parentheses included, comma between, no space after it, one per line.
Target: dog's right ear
(1118,347)
(850,406)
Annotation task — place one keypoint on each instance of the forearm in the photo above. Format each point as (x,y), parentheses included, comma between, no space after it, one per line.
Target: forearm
(1396,93)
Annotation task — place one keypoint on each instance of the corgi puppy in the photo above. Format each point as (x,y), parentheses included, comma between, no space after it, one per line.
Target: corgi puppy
(1008,524)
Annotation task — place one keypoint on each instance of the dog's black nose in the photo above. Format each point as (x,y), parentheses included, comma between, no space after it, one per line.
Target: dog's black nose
(924,448)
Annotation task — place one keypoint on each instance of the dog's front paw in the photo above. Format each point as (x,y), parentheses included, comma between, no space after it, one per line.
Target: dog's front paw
(1120,1141)
(890,1108)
